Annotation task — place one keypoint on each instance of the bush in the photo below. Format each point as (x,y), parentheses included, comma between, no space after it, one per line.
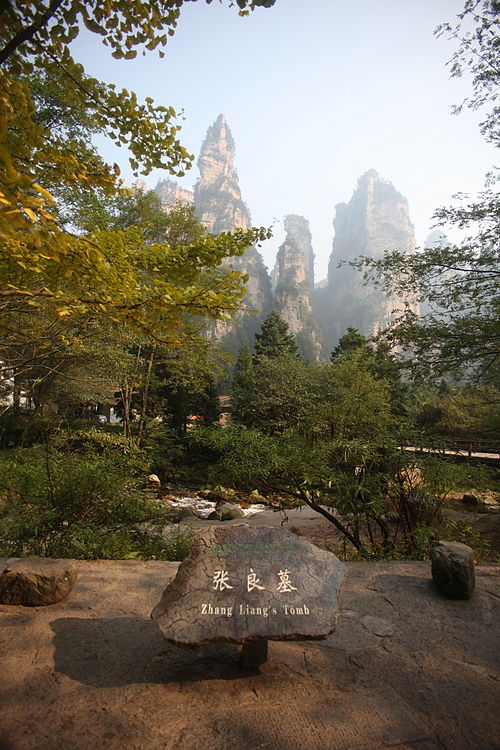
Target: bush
(165,453)
(95,442)
(79,507)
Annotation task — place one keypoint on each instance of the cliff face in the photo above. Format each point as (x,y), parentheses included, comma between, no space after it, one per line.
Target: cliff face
(375,220)
(293,276)
(170,193)
(219,206)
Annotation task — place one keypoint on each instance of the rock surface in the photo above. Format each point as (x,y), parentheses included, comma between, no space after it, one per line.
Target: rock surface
(375,220)
(294,284)
(95,671)
(219,206)
(170,193)
(241,584)
(453,570)
(35,582)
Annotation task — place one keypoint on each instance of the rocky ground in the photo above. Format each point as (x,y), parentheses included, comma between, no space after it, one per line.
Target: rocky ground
(195,509)
(405,669)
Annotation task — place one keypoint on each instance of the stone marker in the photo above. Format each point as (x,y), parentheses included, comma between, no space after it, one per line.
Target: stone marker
(36,581)
(250,585)
(453,570)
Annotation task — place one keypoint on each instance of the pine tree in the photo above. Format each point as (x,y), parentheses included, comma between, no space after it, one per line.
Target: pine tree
(274,340)
(351,340)
(243,386)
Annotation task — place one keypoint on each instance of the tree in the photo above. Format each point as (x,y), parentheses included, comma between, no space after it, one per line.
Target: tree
(381,363)
(477,53)
(117,273)
(460,334)
(274,340)
(243,386)
(320,435)
(349,342)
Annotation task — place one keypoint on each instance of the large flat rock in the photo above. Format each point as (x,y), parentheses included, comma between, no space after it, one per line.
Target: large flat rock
(241,584)
(405,668)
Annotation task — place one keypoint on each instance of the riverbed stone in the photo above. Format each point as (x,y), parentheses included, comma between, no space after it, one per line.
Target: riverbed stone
(453,570)
(470,499)
(244,584)
(488,505)
(230,511)
(36,581)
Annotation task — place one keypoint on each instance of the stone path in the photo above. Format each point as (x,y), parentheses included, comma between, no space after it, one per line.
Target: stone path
(405,670)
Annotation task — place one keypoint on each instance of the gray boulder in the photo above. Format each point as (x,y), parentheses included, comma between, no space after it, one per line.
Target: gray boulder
(36,581)
(488,505)
(229,511)
(453,570)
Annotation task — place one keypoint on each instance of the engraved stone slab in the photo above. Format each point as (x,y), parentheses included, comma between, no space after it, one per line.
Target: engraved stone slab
(241,584)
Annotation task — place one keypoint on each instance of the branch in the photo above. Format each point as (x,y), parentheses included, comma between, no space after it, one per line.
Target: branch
(330,517)
(29,32)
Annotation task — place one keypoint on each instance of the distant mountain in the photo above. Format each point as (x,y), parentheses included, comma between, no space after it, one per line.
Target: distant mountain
(294,283)
(375,219)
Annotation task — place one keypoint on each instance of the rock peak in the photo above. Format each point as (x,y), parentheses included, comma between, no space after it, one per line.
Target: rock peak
(371,174)
(294,277)
(375,220)
(217,153)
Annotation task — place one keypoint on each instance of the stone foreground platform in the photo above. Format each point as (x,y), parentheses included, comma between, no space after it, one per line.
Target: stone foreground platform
(405,669)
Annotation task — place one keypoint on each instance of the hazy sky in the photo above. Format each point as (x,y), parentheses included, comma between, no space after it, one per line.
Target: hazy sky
(315,93)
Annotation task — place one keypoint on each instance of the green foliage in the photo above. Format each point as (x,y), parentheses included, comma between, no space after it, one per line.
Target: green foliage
(459,282)
(186,380)
(380,362)
(477,55)
(274,340)
(470,413)
(164,452)
(102,443)
(352,402)
(243,387)
(343,480)
(281,399)
(80,506)
(351,341)
(419,546)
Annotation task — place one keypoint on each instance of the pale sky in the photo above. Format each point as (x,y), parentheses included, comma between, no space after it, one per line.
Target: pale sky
(315,94)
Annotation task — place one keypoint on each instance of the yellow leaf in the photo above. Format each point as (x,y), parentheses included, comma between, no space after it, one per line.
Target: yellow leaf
(44,192)
(30,213)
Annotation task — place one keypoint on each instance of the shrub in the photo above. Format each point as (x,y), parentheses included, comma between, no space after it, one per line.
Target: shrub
(77,506)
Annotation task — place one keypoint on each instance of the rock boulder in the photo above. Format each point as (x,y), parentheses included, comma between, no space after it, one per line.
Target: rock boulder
(453,570)
(35,581)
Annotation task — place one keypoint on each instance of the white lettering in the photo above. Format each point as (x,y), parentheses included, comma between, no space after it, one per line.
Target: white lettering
(248,611)
(304,610)
(209,609)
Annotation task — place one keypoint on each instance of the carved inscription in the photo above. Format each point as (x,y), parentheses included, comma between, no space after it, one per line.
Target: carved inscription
(241,583)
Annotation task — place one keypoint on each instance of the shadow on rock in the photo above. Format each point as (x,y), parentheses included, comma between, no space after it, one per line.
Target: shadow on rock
(112,652)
